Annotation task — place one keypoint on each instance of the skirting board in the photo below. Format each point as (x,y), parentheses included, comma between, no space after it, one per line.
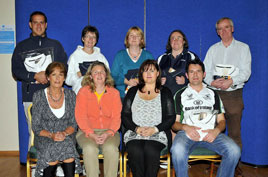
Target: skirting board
(9,153)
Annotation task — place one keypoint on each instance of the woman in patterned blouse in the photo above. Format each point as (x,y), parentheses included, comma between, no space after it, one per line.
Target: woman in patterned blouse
(54,125)
(147,115)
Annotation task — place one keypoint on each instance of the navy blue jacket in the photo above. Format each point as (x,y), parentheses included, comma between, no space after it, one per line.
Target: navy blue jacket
(165,63)
(19,71)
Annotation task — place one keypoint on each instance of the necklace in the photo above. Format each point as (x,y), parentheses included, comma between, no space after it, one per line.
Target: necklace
(135,57)
(55,100)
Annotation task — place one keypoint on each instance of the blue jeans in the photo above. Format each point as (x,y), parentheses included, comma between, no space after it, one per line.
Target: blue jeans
(183,146)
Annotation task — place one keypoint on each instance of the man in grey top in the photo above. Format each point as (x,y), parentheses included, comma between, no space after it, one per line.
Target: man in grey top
(228,65)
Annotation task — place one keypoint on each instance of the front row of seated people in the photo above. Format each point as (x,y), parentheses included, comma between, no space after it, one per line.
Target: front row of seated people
(148,115)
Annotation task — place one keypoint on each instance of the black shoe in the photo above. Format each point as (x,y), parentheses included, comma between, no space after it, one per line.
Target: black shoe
(238,172)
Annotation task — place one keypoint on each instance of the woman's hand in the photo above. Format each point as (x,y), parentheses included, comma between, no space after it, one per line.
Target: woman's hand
(99,139)
(146,131)
(79,74)
(131,82)
(163,80)
(180,80)
(59,136)
(94,137)
(103,137)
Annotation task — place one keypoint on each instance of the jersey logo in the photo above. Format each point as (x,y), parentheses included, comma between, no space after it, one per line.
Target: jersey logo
(190,96)
(207,97)
(198,102)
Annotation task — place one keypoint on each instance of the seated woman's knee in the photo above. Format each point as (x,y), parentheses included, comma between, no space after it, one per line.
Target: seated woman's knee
(68,160)
(53,163)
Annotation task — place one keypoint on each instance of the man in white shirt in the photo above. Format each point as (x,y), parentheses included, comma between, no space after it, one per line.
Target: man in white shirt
(199,122)
(228,66)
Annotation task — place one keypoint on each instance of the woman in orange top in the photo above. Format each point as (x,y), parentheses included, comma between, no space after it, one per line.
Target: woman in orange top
(97,112)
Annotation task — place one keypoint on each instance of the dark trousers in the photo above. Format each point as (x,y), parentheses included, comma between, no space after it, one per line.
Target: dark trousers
(68,169)
(144,157)
(233,105)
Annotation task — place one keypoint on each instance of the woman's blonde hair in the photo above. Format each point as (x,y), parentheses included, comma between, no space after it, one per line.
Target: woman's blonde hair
(88,81)
(135,28)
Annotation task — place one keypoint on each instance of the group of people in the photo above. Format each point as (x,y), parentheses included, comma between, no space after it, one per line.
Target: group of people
(150,100)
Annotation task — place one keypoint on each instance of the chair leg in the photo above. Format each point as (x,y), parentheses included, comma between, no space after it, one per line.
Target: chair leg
(211,169)
(173,172)
(120,165)
(29,174)
(169,166)
(125,164)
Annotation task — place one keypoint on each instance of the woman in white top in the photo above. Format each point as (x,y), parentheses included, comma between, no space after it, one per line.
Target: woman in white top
(87,53)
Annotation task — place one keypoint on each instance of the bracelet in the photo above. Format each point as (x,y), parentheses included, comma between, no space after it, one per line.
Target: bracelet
(50,135)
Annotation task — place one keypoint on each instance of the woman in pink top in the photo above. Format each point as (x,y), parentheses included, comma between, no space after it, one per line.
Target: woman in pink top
(98,115)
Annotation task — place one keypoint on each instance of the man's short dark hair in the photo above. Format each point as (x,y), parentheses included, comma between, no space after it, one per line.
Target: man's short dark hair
(91,29)
(195,62)
(37,13)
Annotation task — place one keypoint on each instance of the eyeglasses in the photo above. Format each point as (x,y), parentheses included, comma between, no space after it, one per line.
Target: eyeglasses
(176,38)
(134,36)
(98,72)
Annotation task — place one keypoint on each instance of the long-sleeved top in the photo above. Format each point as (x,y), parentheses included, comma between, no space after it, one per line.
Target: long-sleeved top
(168,112)
(44,119)
(80,56)
(236,54)
(122,63)
(91,114)
(34,46)
(178,65)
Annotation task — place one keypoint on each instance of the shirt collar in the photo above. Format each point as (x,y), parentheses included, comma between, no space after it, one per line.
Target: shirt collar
(232,43)
(204,86)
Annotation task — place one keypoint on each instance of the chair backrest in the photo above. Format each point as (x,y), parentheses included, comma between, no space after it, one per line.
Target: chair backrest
(30,121)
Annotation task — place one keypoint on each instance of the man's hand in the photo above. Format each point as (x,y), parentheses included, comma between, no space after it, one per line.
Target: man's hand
(191,131)
(226,84)
(211,134)
(222,83)
(41,77)
(180,80)
(217,83)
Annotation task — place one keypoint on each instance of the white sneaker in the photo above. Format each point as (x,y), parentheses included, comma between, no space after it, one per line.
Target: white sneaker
(59,171)
(84,170)
(164,165)
(33,171)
